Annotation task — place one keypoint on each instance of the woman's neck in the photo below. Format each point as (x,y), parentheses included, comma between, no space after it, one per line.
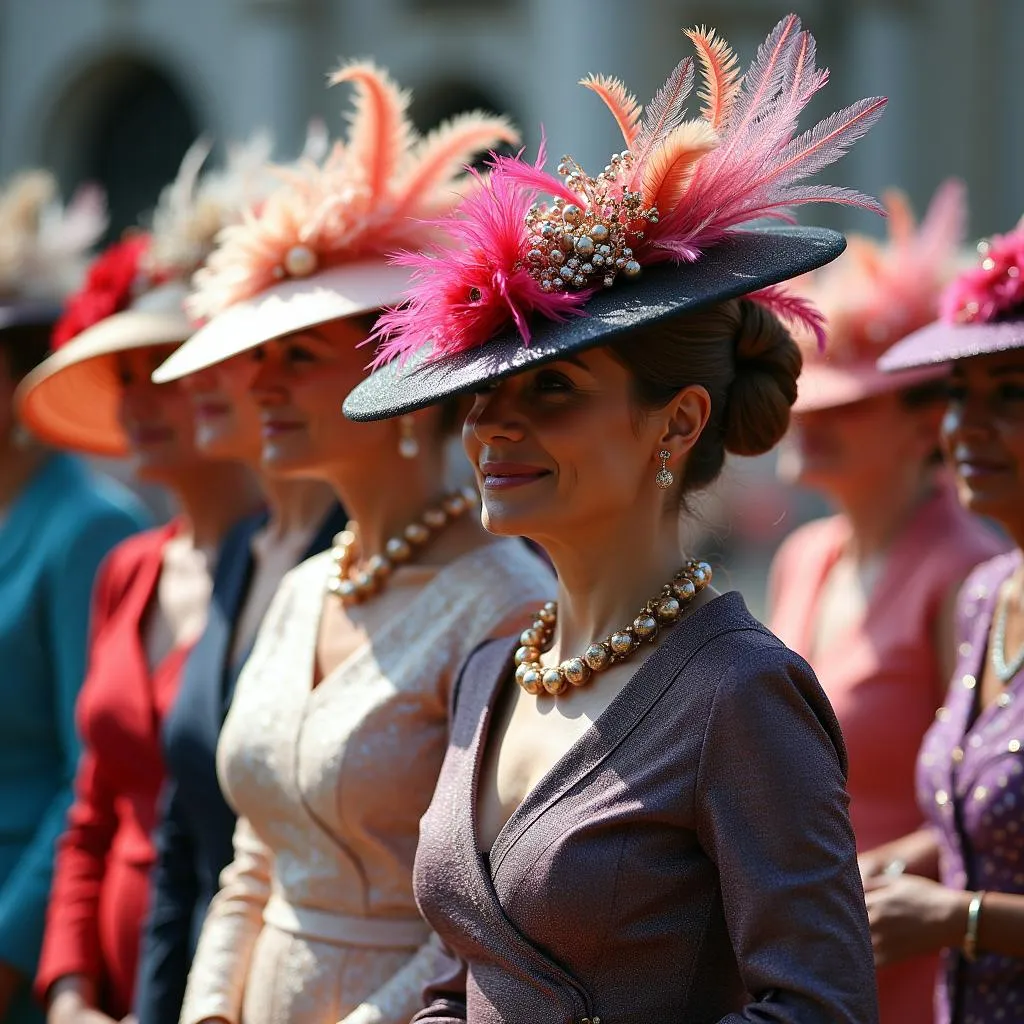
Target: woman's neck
(877,516)
(383,502)
(604,578)
(17,466)
(295,506)
(212,497)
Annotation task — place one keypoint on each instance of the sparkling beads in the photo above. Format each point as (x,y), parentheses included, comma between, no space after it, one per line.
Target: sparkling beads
(588,244)
(353,585)
(663,610)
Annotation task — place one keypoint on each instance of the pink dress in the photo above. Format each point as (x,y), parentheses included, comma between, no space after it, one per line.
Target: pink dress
(883,678)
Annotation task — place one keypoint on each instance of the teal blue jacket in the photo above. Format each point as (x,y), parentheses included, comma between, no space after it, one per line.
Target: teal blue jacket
(52,540)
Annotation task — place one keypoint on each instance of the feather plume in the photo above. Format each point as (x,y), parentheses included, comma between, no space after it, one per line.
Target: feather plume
(876,293)
(464,293)
(720,68)
(684,186)
(793,310)
(670,167)
(380,189)
(197,206)
(380,132)
(439,158)
(666,111)
(620,101)
(44,244)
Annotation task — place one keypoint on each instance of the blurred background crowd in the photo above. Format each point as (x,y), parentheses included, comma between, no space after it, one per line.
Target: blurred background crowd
(114,92)
(110,97)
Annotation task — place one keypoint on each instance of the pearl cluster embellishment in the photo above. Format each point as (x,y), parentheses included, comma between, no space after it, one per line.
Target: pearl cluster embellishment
(354,586)
(660,611)
(579,246)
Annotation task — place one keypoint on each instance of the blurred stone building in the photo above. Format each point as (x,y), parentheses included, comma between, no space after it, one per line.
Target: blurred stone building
(115,90)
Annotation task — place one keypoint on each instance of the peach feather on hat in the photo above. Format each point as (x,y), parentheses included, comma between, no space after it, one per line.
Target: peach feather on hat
(133,297)
(877,293)
(316,249)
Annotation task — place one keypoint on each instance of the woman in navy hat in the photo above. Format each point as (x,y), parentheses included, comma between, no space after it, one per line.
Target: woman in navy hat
(642,814)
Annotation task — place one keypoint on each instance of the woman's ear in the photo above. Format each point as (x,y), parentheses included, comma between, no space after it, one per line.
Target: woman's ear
(686,416)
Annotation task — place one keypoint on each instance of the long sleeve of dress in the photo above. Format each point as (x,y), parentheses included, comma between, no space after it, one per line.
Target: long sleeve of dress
(24,895)
(792,894)
(166,936)
(216,983)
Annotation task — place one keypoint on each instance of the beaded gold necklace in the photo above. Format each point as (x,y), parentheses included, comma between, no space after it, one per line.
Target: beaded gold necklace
(658,612)
(354,585)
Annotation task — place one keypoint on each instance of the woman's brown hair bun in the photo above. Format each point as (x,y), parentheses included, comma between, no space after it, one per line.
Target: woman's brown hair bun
(767,365)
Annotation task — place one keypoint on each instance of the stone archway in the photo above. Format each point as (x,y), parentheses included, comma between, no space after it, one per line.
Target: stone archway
(436,101)
(124,123)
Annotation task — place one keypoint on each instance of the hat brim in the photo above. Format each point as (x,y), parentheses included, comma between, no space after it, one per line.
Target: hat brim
(282,309)
(72,398)
(943,342)
(742,263)
(825,386)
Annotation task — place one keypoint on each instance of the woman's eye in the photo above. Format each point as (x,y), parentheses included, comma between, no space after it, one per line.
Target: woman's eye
(1011,393)
(298,354)
(956,393)
(552,383)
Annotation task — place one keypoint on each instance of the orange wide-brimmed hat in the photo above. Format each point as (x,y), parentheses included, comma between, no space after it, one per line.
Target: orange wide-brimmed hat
(133,298)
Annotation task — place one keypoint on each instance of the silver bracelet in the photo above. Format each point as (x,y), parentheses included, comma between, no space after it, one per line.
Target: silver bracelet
(970,946)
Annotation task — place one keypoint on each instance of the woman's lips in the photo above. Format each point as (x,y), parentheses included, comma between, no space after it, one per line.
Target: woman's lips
(211,410)
(142,436)
(498,476)
(273,428)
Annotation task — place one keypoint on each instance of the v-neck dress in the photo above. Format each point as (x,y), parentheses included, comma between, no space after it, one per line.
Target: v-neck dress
(315,921)
(688,859)
(53,538)
(970,783)
(883,677)
(101,877)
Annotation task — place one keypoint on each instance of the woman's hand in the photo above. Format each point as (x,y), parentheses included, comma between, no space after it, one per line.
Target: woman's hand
(910,915)
(71,1000)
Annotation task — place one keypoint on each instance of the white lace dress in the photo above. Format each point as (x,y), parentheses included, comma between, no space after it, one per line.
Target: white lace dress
(315,921)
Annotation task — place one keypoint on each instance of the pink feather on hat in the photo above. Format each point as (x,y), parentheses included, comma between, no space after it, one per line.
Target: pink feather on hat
(377,191)
(876,293)
(681,187)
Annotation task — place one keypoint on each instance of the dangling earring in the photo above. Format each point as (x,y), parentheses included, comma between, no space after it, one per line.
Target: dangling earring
(408,446)
(665,478)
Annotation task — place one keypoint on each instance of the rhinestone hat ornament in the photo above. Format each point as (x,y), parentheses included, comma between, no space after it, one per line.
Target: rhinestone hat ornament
(374,191)
(354,584)
(661,611)
(678,188)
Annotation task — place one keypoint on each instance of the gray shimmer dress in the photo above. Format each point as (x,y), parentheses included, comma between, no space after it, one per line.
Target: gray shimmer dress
(688,860)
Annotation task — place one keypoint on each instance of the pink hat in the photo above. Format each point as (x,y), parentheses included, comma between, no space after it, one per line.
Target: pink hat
(875,294)
(981,312)
(316,250)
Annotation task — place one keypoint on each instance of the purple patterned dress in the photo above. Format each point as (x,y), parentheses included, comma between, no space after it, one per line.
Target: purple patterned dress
(970,783)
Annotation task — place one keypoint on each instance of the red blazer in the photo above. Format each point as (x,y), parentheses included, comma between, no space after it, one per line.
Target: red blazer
(100,884)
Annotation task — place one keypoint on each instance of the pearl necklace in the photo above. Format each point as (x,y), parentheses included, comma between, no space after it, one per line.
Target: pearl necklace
(353,586)
(658,612)
(1003,669)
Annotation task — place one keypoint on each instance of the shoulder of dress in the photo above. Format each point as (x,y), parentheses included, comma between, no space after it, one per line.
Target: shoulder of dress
(983,581)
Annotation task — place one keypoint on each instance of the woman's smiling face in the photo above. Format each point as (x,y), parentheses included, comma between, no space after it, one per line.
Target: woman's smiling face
(562,447)
(983,434)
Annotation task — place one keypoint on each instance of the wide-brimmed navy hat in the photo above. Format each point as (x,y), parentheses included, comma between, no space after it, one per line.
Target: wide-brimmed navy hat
(744,263)
(665,229)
